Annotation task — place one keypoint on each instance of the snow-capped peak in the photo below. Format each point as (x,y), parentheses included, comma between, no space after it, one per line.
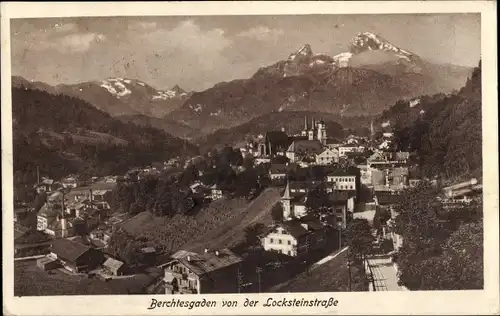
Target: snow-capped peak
(369,41)
(305,50)
(116,86)
(176,91)
(342,59)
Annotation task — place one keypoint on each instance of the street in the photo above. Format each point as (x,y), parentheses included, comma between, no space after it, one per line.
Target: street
(384,274)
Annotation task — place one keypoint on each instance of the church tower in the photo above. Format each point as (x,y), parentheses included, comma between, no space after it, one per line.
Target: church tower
(372,131)
(310,132)
(321,132)
(304,131)
(286,203)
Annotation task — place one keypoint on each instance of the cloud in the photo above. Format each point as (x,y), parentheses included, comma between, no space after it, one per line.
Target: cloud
(64,27)
(262,33)
(189,43)
(78,42)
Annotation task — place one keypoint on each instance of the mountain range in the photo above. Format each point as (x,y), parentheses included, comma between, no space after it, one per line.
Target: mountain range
(365,80)
(117,96)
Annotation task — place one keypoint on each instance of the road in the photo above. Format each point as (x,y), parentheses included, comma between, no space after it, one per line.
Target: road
(384,274)
(328,258)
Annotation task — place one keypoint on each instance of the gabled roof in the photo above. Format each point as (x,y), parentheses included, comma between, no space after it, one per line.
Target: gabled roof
(208,262)
(68,249)
(312,146)
(112,264)
(294,228)
(329,150)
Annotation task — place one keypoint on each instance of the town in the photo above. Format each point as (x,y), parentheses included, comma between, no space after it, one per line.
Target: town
(281,212)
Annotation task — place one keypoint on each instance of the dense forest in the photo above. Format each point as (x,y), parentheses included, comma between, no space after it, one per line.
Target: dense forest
(442,248)
(63,135)
(447,135)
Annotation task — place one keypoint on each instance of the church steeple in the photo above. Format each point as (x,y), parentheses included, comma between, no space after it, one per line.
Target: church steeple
(286,194)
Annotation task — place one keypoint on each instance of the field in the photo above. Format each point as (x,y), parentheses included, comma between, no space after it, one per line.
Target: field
(332,276)
(29,280)
(232,231)
(220,224)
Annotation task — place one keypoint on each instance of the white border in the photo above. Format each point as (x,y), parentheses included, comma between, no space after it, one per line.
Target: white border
(438,302)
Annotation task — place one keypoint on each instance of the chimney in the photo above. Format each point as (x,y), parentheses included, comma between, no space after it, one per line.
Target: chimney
(189,258)
(91,196)
(305,226)
(217,252)
(206,250)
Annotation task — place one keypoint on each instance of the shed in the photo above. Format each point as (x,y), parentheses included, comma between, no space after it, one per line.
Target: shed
(47,263)
(115,267)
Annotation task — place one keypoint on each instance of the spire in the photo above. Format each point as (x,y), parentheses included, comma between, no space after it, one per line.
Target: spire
(286,194)
(305,123)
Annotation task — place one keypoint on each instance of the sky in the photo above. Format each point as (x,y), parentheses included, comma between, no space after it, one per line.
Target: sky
(197,52)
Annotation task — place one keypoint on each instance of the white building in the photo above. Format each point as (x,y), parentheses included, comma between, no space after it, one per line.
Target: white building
(342,180)
(343,149)
(328,156)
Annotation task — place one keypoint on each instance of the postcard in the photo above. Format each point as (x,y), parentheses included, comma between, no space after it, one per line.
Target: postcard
(250,158)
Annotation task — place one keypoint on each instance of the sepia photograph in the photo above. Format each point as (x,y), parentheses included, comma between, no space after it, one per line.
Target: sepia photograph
(270,154)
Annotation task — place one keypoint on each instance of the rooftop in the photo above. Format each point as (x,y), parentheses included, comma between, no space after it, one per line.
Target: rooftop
(112,264)
(68,249)
(207,262)
(313,146)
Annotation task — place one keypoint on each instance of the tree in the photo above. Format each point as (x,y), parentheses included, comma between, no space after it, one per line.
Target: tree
(277,212)
(253,232)
(441,247)
(318,201)
(359,238)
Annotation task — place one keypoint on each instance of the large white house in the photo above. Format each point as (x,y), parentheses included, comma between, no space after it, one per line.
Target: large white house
(328,156)
(342,180)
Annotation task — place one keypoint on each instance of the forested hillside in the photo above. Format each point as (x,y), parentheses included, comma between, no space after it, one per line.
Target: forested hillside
(447,133)
(62,135)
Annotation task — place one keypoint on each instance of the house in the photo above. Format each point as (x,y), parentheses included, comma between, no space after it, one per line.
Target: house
(328,156)
(70,182)
(47,185)
(216,192)
(209,272)
(47,263)
(343,149)
(46,215)
(343,207)
(304,150)
(293,203)
(382,160)
(395,179)
(76,257)
(295,237)
(463,192)
(333,143)
(278,172)
(114,267)
(345,180)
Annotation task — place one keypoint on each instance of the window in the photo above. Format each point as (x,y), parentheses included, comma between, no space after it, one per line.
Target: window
(271,241)
(279,241)
(289,252)
(289,242)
